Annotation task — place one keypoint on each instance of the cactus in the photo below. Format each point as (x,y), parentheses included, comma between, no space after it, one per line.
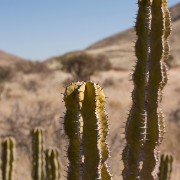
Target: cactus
(8,146)
(38,157)
(86,126)
(145,125)
(165,168)
(52,164)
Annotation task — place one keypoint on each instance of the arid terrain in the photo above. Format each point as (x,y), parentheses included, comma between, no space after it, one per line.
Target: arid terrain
(32,95)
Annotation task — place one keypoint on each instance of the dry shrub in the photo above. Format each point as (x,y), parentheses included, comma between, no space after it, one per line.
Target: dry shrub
(1,90)
(68,81)
(28,67)
(170,62)
(5,74)
(83,65)
(23,119)
(31,85)
(175,116)
(115,104)
(109,82)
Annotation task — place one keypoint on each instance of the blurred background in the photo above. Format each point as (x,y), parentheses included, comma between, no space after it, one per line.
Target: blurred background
(46,45)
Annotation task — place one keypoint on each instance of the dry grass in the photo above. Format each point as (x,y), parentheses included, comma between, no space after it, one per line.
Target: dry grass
(32,99)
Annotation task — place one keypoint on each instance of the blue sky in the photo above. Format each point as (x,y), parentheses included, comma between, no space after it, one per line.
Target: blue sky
(39,29)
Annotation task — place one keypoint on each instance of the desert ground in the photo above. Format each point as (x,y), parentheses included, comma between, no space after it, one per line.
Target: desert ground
(35,99)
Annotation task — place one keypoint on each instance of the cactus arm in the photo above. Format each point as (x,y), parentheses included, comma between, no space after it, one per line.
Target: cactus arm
(95,130)
(157,80)
(71,125)
(92,156)
(11,146)
(38,157)
(52,164)
(47,163)
(165,168)
(135,131)
(104,130)
(167,31)
(8,146)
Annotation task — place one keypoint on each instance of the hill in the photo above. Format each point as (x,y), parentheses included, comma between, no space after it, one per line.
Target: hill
(7,59)
(119,48)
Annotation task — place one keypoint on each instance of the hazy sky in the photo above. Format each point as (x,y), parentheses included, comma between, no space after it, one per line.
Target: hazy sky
(39,29)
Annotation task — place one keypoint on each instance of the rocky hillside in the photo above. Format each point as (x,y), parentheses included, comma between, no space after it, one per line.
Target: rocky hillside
(119,48)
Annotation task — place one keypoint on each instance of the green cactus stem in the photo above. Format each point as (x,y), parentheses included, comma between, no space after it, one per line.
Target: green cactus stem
(38,157)
(145,125)
(52,164)
(86,125)
(8,147)
(165,168)
(72,128)
(160,30)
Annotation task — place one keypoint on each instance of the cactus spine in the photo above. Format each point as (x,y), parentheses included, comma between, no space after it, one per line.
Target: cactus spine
(86,126)
(165,168)
(145,125)
(8,147)
(38,157)
(52,164)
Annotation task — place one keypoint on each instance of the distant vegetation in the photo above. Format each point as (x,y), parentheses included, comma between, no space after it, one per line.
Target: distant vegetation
(4,74)
(25,67)
(28,67)
(83,65)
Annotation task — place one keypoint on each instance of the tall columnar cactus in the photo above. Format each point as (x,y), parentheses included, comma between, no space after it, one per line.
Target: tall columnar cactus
(52,164)
(145,125)
(86,126)
(38,154)
(165,168)
(8,147)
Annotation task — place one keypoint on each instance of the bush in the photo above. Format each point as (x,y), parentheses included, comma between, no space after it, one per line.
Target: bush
(4,73)
(83,65)
(175,116)
(28,67)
